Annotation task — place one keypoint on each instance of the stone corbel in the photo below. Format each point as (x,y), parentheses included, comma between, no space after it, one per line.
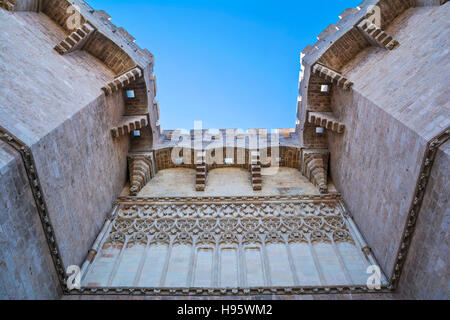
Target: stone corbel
(7,5)
(331,76)
(326,120)
(142,170)
(129,124)
(123,81)
(76,40)
(376,35)
(315,167)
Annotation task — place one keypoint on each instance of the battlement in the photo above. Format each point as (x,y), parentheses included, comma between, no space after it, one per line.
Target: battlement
(216,133)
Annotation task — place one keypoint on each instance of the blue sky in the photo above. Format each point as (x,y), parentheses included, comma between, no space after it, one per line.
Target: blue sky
(231,64)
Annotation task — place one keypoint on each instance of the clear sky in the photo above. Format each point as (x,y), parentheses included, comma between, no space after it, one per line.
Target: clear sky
(229,63)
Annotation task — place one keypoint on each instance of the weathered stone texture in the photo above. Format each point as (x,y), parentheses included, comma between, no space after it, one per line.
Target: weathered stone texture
(68,127)
(410,82)
(39,89)
(376,180)
(25,5)
(398,101)
(426,274)
(396,106)
(180,182)
(26,268)
(85,170)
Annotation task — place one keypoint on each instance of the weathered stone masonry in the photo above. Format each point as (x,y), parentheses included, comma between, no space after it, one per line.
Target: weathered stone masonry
(365,127)
(385,134)
(74,202)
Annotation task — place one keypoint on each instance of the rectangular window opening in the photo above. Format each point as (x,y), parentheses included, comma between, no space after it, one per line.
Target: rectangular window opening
(136,133)
(324,88)
(130,94)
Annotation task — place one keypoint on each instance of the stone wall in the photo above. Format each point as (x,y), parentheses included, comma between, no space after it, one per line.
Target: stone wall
(26,268)
(426,274)
(39,88)
(55,105)
(410,82)
(377,180)
(226,182)
(83,170)
(397,104)
(390,114)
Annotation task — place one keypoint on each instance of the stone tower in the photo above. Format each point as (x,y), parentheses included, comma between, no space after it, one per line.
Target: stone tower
(89,179)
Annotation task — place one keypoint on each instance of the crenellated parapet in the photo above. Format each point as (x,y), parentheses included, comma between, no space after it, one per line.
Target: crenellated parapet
(156,108)
(110,44)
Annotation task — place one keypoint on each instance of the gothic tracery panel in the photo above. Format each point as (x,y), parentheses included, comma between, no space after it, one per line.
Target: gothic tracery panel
(224,243)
